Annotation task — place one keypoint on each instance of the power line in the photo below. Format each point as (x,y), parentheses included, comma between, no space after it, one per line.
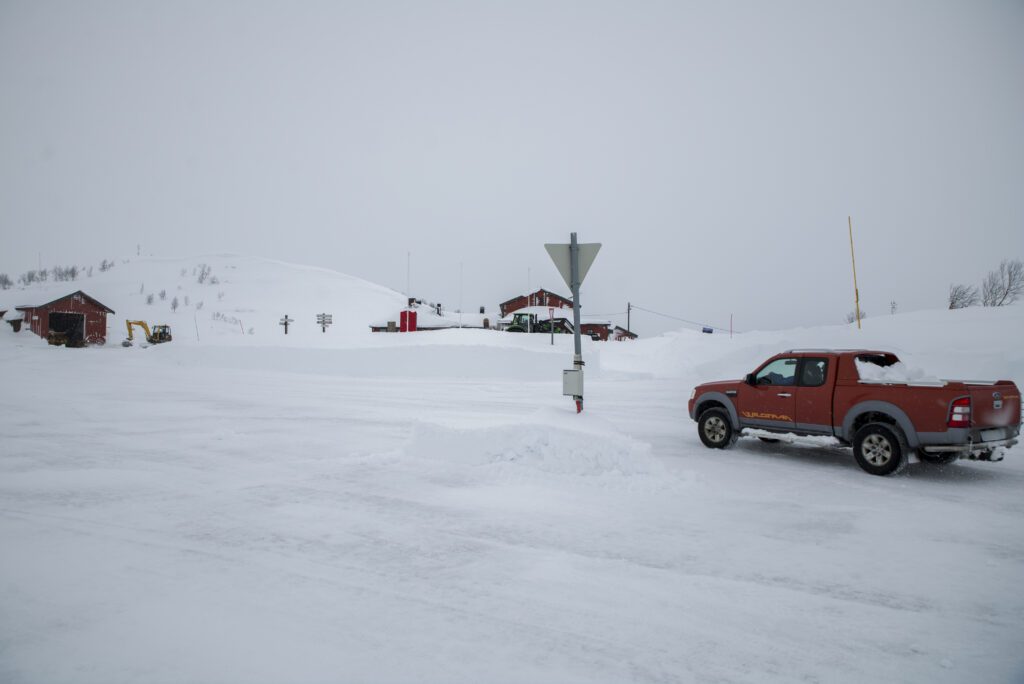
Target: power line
(683,320)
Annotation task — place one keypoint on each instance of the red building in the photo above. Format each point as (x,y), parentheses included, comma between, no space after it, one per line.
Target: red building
(78,317)
(599,331)
(620,334)
(539,298)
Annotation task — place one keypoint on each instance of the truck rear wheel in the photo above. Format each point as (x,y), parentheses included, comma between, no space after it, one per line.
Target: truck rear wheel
(715,429)
(879,449)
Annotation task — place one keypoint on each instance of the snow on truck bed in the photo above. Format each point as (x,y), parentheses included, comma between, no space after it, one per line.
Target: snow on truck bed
(429,507)
(897,373)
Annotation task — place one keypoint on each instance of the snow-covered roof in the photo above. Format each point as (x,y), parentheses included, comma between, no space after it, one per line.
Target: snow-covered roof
(13,315)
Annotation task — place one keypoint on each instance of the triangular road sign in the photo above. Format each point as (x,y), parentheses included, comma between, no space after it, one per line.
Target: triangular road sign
(560,255)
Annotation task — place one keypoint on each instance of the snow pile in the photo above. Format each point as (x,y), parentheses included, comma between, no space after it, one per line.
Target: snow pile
(975,343)
(533,450)
(897,373)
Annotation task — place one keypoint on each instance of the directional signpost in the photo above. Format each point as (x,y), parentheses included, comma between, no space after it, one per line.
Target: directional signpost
(573,261)
(324,320)
(285,322)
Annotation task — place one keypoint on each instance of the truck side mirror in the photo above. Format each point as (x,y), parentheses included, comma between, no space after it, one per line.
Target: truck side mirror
(750,379)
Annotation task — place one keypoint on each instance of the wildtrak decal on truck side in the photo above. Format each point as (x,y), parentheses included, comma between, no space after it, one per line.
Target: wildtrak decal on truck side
(766,416)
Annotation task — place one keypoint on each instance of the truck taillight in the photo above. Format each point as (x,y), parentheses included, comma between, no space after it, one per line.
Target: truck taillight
(960,413)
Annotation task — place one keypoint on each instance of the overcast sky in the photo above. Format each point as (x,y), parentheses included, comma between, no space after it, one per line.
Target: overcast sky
(714,148)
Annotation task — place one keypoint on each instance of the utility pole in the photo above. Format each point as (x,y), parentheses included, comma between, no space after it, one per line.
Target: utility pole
(629,311)
(853,260)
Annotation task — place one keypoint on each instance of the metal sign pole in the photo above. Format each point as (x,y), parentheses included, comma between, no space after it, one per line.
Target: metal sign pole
(574,266)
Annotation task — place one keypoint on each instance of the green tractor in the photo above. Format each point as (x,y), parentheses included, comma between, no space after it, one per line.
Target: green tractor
(529,322)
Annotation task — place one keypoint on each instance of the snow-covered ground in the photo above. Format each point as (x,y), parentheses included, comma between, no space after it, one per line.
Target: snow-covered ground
(429,508)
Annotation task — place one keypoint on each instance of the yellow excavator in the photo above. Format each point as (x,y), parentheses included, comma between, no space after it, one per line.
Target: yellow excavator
(159,333)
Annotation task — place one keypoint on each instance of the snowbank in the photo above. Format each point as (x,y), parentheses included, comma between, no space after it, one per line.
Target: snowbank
(978,342)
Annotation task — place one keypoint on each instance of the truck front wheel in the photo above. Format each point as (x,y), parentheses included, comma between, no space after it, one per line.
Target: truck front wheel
(879,449)
(715,429)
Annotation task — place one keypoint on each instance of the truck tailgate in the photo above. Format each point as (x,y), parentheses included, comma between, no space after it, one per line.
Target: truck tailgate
(994,405)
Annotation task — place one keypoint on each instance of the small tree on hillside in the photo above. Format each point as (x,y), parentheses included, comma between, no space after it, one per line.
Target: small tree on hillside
(852,316)
(962,296)
(163,295)
(174,304)
(5,282)
(1004,285)
(106,265)
(149,298)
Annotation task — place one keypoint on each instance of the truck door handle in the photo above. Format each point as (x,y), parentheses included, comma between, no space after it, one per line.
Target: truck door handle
(785,394)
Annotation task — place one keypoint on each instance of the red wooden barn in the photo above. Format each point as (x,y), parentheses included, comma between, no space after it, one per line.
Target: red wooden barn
(79,317)
(600,330)
(539,298)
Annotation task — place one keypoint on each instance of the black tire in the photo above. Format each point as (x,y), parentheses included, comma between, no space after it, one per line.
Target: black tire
(515,328)
(769,440)
(938,459)
(715,429)
(880,449)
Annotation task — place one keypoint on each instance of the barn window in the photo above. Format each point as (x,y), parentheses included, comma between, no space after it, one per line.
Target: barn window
(77,298)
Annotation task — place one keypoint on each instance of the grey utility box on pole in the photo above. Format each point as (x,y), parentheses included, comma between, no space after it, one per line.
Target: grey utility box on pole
(573,261)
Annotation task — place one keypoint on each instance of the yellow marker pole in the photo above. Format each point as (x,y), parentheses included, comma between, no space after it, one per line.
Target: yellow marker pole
(853,260)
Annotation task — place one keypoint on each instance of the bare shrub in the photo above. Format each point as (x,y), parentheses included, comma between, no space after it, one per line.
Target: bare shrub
(962,296)
(1004,285)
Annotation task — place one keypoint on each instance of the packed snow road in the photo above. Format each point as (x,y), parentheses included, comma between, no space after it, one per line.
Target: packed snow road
(167,516)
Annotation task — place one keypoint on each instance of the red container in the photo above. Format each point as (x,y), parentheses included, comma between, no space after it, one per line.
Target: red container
(407,321)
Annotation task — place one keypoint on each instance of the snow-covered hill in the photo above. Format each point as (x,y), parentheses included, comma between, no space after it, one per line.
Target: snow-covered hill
(239,300)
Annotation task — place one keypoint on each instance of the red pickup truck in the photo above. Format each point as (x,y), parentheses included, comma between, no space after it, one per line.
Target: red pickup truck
(822,392)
